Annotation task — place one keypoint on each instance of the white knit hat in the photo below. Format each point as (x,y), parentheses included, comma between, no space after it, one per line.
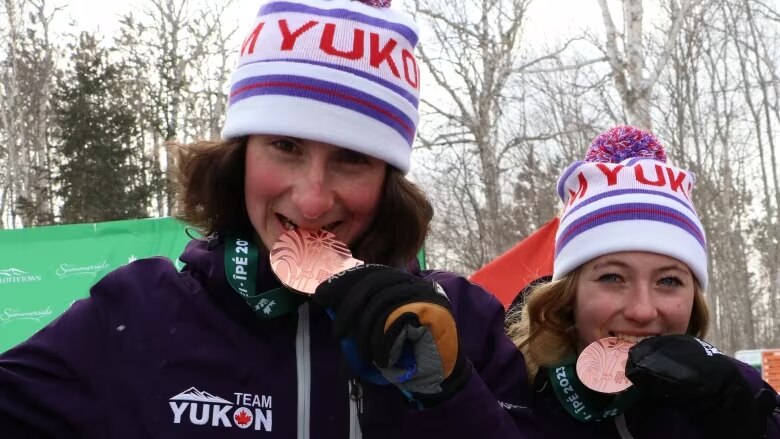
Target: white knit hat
(625,197)
(338,71)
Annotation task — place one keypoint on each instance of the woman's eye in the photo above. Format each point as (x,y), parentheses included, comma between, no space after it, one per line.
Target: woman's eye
(670,281)
(352,157)
(284,145)
(609,277)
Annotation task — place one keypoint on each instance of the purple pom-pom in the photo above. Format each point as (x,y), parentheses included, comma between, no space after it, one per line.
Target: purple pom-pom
(624,142)
(377,3)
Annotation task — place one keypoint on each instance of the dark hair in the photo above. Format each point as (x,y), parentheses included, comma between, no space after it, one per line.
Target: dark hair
(210,180)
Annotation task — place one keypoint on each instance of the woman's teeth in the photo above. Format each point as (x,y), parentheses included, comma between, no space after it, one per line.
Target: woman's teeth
(631,338)
(287,224)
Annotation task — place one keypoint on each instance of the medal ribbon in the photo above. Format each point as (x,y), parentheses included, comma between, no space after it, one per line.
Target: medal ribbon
(583,403)
(241,272)
(241,258)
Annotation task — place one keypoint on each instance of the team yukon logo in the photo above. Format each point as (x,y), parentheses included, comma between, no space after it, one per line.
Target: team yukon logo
(249,411)
(68,270)
(17,276)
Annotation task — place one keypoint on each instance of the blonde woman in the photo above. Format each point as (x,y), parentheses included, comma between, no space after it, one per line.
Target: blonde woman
(631,263)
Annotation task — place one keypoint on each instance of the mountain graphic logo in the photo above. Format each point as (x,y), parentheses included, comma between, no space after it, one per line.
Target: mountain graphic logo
(196,407)
(195,395)
(13,272)
(16,276)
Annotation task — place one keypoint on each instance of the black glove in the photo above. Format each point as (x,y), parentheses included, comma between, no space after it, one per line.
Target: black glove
(401,324)
(707,385)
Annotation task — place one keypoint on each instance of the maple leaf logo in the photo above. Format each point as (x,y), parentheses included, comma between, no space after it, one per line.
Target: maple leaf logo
(266,305)
(243,418)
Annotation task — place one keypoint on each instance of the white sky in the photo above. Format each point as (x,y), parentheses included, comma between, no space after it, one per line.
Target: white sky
(104,15)
(549,20)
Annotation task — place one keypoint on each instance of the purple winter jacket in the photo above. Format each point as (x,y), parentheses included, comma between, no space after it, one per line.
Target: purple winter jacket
(643,420)
(154,353)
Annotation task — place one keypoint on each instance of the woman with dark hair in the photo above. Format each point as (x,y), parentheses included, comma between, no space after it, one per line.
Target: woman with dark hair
(211,179)
(612,342)
(316,142)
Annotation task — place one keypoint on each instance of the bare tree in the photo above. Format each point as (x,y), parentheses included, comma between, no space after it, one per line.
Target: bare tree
(11,117)
(762,58)
(206,108)
(181,41)
(628,56)
(711,108)
(27,74)
(475,130)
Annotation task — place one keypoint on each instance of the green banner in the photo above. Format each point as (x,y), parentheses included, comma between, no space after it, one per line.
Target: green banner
(44,270)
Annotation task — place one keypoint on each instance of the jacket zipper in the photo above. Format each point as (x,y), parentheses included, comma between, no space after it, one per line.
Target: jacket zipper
(355,409)
(303,359)
(622,427)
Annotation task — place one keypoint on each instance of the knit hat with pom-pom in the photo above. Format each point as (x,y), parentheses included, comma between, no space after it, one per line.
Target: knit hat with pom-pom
(625,197)
(336,71)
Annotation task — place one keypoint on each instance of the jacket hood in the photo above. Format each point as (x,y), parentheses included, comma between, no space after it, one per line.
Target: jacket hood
(203,258)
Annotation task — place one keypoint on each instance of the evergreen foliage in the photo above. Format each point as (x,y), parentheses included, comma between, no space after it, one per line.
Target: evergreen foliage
(98,180)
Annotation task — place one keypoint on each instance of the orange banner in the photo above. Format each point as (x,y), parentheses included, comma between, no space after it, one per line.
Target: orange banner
(770,367)
(528,260)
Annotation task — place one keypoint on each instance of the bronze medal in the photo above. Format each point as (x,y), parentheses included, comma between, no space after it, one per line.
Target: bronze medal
(303,259)
(602,365)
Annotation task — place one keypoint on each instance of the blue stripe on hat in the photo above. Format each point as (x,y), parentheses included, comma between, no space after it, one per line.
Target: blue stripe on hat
(363,74)
(628,212)
(274,7)
(619,192)
(328,93)
(636,160)
(565,176)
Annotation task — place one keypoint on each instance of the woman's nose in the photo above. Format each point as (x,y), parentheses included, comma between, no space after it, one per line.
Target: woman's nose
(639,306)
(312,195)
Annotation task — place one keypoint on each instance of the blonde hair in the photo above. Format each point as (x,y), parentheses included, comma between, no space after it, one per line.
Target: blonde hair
(543,329)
